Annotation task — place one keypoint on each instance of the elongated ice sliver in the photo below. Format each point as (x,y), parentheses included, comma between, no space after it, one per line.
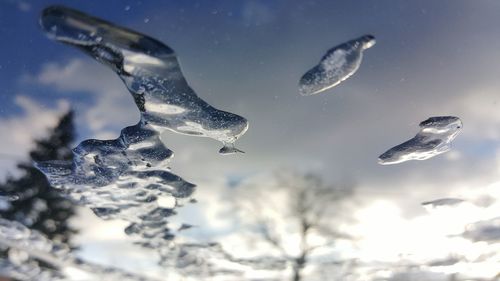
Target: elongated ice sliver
(338,64)
(434,138)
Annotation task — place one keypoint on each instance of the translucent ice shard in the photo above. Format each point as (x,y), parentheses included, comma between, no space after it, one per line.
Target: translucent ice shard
(339,63)
(434,138)
(150,71)
(229,149)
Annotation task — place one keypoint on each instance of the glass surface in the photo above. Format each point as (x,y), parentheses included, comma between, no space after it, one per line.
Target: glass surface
(362,161)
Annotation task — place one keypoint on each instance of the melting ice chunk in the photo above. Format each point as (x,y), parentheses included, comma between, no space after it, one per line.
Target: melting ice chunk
(150,71)
(184,226)
(434,138)
(339,63)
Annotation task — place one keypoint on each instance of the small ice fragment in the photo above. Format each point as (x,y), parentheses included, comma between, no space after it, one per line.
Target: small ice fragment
(338,64)
(146,20)
(434,138)
(9,198)
(229,149)
(452,260)
(184,226)
(127,8)
(443,202)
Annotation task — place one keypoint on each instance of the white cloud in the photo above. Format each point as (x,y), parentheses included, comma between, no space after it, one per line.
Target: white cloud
(478,109)
(113,106)
(19,131)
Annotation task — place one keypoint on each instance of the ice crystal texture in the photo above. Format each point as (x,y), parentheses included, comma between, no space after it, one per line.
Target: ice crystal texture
(124,178)
(434,138)
(150,71)
(339,63)
(30,252)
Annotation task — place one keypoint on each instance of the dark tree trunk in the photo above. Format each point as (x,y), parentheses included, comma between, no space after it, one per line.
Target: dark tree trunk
(299,264)
(296,274)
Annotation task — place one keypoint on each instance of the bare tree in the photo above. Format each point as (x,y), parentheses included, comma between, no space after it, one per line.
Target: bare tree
(294,214)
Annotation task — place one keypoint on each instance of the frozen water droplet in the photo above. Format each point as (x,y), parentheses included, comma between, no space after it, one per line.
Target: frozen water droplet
(443,202)
(184,227)
(127,8)
(146,20)
(434,138)
(10,198)
(229,149)
(339,63)
(17,256)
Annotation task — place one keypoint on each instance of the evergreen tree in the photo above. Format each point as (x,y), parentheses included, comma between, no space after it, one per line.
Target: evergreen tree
(35,203)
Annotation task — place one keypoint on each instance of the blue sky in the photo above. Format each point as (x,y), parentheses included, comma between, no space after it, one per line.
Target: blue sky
(431,58)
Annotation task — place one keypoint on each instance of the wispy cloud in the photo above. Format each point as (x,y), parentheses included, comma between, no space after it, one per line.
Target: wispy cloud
(111,107)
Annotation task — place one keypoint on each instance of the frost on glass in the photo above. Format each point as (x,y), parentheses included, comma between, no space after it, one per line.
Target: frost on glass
(150,71)
(339,63)
(434,138)
(32,256)
(125,178)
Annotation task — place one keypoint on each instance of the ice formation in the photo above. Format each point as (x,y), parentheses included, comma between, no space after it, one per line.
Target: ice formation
(339,63)
(434,138)
(150,71)
(443,202)
(30,252)
(124,178)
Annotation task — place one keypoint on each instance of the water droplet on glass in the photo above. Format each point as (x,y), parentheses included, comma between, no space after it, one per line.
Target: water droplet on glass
(229,149)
